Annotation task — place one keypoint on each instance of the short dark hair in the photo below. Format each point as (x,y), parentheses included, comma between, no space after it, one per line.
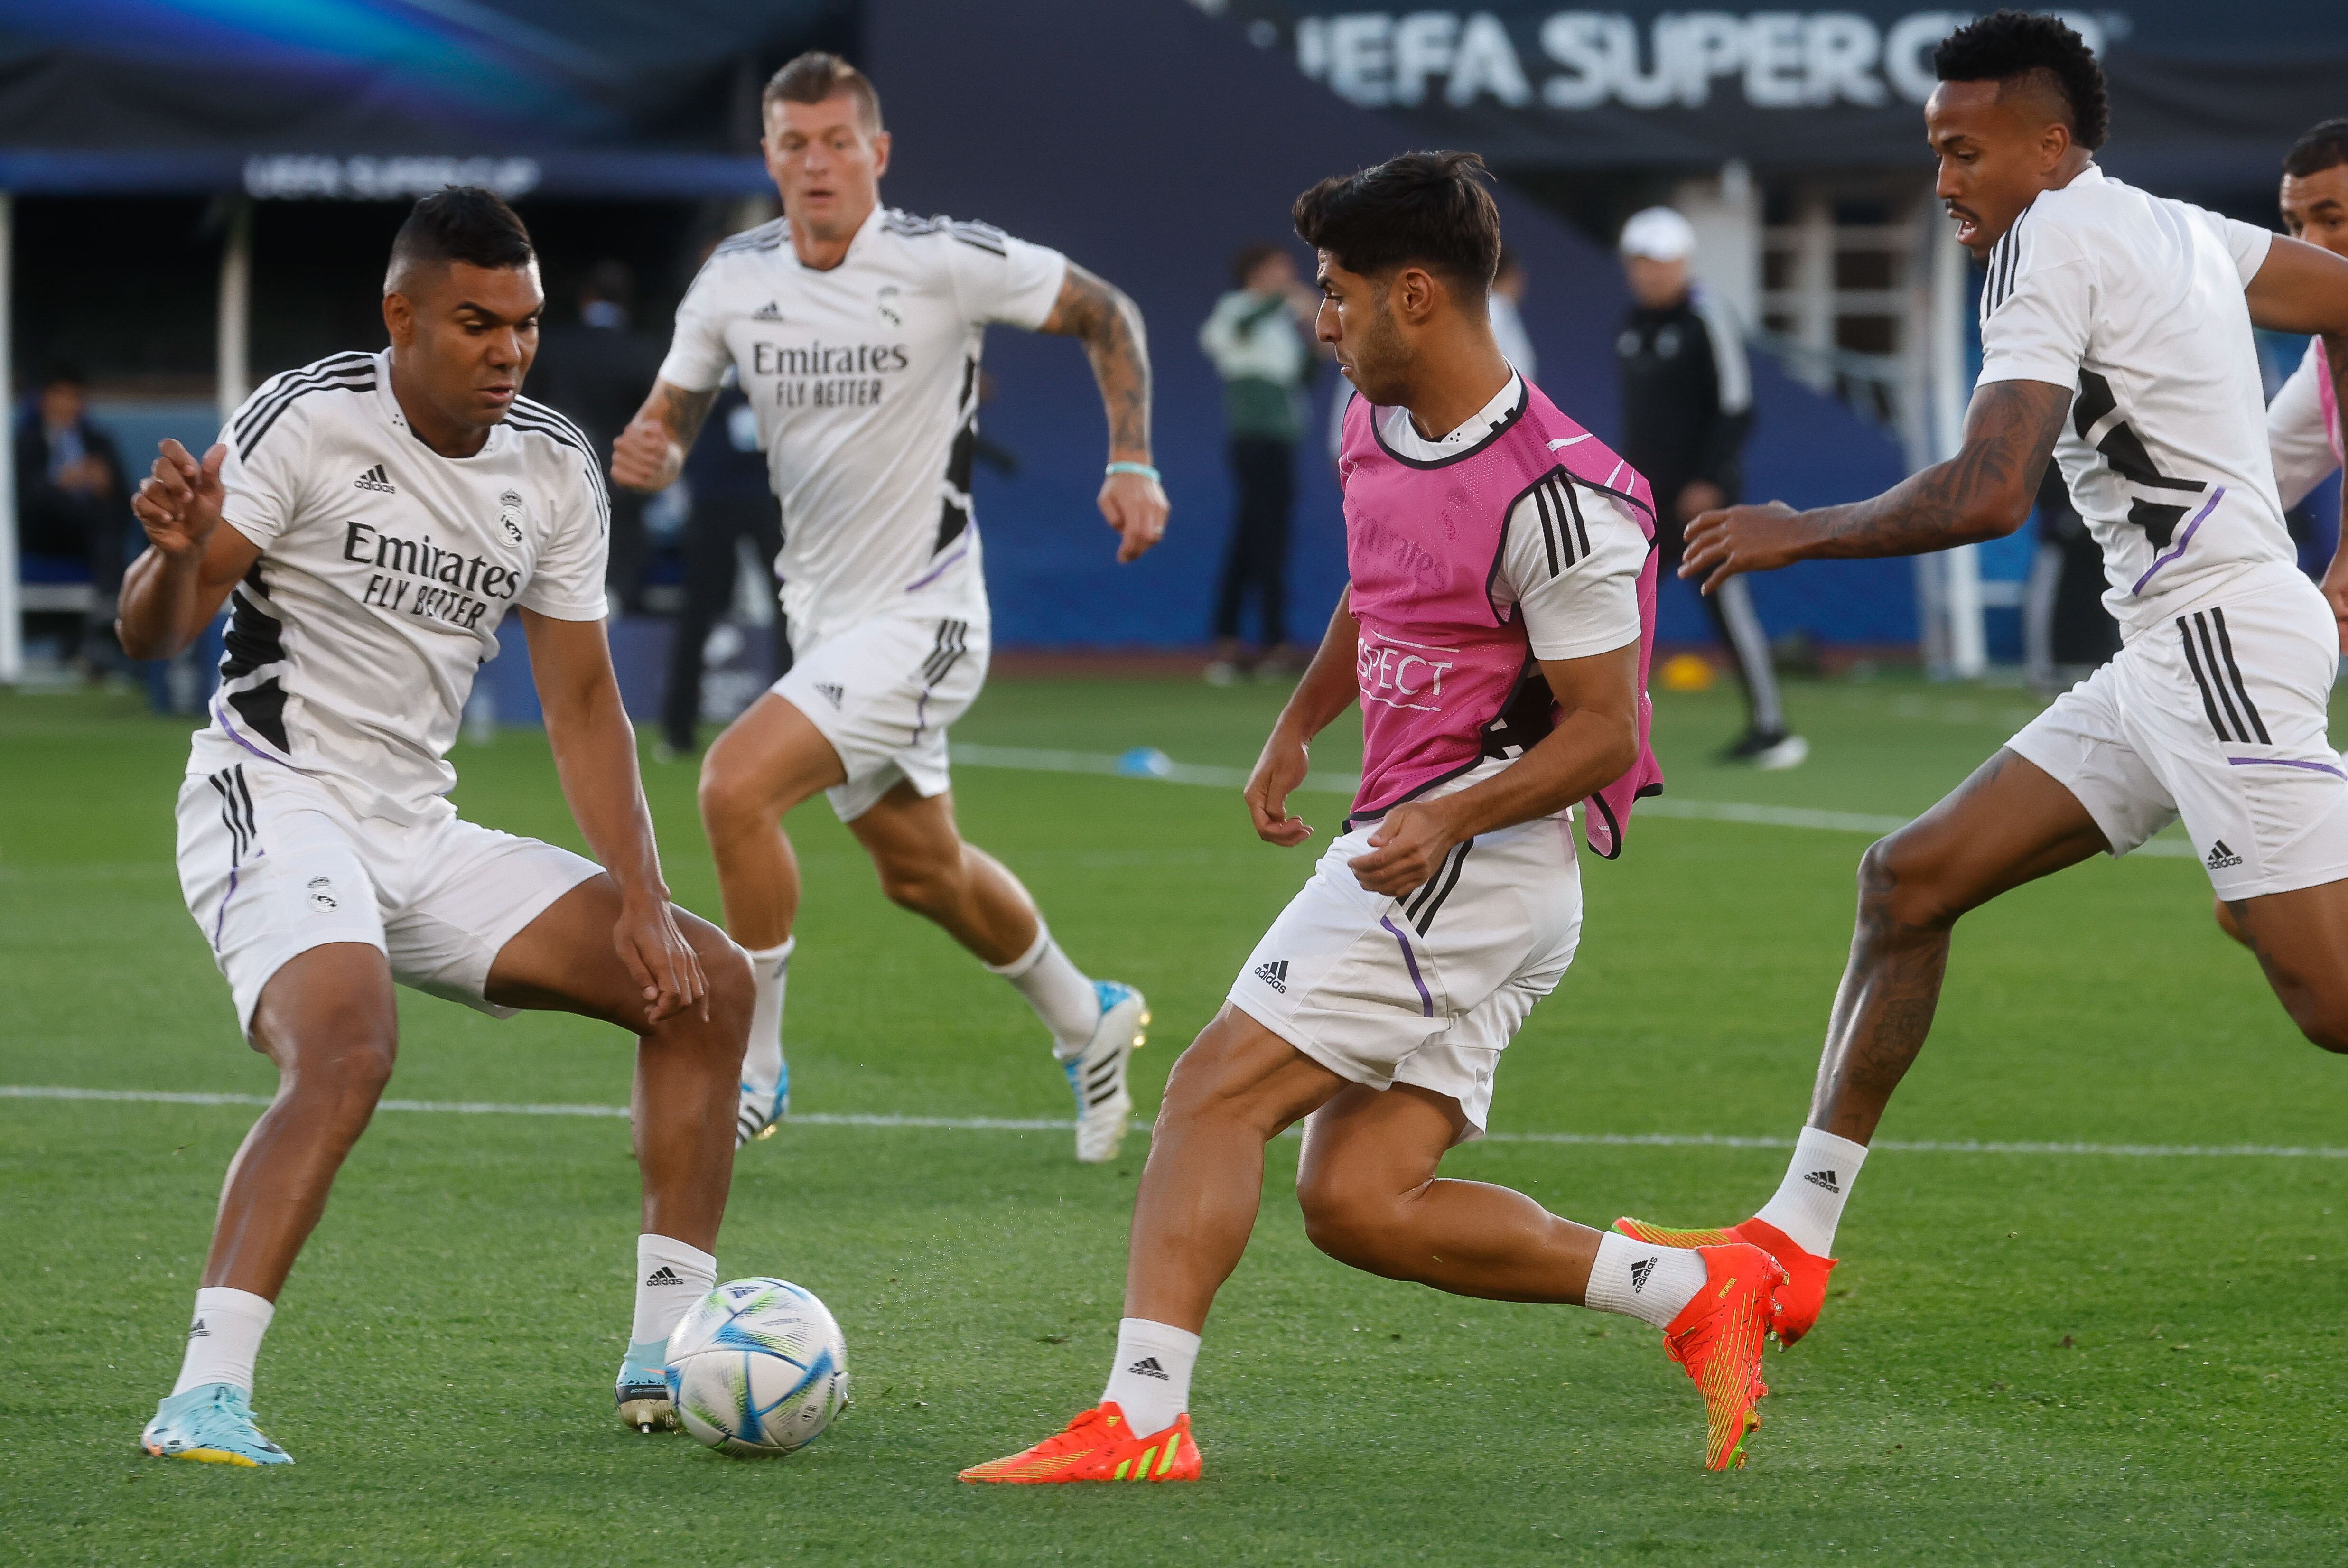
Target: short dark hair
(2319,148)
(819,75)
(462,224)
(1250,256)
(2007,44)
(610,280)
(1430,208)
(61,373)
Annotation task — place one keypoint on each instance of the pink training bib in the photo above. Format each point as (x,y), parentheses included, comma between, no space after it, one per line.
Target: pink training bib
(1447,678)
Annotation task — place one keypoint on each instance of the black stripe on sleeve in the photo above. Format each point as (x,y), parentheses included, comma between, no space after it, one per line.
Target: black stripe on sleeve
(1581,525)
(2234,674)
(1548,526)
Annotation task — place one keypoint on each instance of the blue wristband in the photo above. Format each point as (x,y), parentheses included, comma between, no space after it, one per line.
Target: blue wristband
(1143,469)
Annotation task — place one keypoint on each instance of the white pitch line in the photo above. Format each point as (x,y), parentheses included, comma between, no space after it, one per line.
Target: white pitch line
(1041,1124)
(1029,759)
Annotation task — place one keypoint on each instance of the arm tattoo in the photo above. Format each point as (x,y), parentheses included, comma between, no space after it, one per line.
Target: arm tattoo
(1110,324)
(682,412)
(1982,492)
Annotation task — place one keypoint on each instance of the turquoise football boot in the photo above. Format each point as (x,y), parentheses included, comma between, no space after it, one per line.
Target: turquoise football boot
(211,1422)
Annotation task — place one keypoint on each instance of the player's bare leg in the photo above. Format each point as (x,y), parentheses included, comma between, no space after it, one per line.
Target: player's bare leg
(686,1063)
(773,758)
(2008,824)
(925,866)
(1234,1090)
(328,1021)
(2301,938)
(688,1070)
(1370,1198)
(768,761)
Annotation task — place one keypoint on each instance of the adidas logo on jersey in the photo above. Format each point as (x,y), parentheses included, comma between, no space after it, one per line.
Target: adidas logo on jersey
(1274,975)
(1825,1179)
(830,692)
(663,1275)
(1148,1367)
(200,1331)
(768,312)
(1639,1272)
(374,479)
(2221,858)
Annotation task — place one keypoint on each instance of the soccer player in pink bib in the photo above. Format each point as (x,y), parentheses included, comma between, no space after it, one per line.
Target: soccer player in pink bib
(1496,631)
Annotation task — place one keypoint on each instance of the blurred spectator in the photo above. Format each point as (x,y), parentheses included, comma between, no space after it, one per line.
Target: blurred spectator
(1507,327)
(1259,346)
(73,502)
(1687,406)
(597,371)
(731,501)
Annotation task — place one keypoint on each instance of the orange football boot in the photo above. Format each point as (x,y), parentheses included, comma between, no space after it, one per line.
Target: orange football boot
(1098,1445)
(1804,1294)
(1717,1338)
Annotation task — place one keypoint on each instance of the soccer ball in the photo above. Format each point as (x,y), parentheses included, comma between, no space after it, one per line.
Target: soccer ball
(757,1368)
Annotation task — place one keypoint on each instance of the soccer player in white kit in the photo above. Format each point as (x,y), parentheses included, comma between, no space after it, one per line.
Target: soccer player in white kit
(855,330)
(2116,335)
(382,512)
(2303,426)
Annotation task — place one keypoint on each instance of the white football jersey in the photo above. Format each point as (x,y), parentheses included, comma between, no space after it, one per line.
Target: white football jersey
(865,379)
(2302,437)
(2134,303)
(384,570)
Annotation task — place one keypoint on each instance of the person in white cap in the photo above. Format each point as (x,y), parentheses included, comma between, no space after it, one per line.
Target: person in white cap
(1687,405)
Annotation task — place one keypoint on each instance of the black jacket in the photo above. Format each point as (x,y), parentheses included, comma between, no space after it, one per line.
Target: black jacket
(55,522)
(1687,398)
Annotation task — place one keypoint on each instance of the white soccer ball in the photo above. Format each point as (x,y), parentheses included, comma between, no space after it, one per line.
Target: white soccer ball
(757,1368)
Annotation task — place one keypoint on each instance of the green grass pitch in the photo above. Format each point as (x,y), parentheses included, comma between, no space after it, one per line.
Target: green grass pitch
(2029,1357)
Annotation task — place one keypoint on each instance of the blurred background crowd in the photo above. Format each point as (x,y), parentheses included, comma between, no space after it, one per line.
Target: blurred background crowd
(1723,256)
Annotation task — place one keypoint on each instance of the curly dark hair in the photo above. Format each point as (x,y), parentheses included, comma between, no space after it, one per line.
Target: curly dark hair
(1430,208)
(2005,45)
(2321,147)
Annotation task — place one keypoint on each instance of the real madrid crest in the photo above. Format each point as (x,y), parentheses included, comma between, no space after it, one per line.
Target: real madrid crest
(510,515)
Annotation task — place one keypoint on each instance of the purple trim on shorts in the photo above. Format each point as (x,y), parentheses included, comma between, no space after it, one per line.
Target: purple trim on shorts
(1425,1002)
(220,921)
(2284,762)
(2182,541)
(933,574)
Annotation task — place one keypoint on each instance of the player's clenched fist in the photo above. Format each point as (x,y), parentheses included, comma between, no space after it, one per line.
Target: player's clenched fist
(178,502)
(646,457)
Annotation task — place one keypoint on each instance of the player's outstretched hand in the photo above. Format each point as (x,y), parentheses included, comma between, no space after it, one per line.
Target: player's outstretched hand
(178,502)
(1279,769)
(1723,543)
(657,955)
(1136,506)
(1409,844)
(644,457)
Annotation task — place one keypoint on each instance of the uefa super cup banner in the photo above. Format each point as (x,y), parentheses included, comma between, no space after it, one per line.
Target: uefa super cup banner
(1540,84)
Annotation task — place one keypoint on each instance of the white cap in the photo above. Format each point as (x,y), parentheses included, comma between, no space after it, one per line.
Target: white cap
(1659,234)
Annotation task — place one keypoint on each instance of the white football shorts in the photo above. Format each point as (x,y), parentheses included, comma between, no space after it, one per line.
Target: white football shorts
(1429,988)
(2219,718)
(272,864)
(883,693)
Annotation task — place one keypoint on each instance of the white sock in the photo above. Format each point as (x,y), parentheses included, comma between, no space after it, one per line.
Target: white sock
(1058,991)
(1652,1283)
(770,968)
(224,1339)
(1809,1204)
(1150,1380)
(670,1277)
